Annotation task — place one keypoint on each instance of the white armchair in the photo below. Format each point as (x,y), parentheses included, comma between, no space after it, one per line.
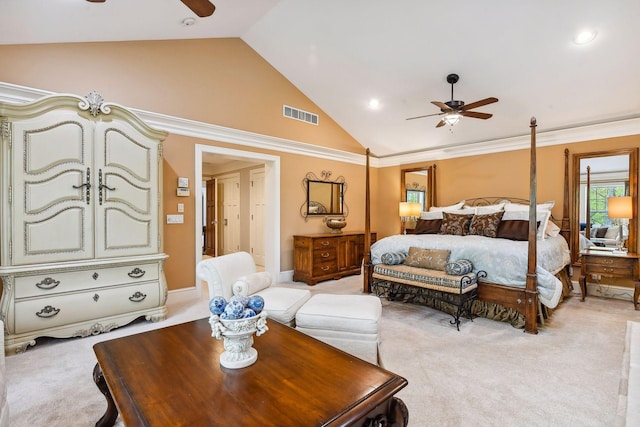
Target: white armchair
(235,274)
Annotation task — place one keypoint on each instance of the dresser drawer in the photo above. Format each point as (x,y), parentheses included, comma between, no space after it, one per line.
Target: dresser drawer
(612,270)
(52,311)
(325,243)
(324,255)
(69,281)
(322,268)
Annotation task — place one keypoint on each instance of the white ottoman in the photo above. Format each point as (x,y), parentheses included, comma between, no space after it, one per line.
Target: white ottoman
(348,322)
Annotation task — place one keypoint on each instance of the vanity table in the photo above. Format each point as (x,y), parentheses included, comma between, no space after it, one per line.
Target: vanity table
(611,264)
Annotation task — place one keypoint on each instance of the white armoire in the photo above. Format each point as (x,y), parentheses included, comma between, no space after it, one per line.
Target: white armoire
(80,228)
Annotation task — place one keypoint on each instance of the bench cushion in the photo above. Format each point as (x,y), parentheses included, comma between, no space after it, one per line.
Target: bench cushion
(425,278)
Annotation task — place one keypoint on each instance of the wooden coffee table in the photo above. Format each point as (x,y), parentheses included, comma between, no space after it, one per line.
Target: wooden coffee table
(172,376)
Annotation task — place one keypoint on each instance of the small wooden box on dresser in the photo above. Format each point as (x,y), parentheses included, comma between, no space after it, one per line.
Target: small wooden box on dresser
(611,264)
(80,191)
(325,256)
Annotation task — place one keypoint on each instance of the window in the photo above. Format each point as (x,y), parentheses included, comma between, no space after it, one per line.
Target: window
(416,196)
(598,197)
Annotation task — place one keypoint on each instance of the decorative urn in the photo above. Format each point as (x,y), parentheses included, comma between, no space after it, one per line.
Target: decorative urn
(237,331)
(336,224)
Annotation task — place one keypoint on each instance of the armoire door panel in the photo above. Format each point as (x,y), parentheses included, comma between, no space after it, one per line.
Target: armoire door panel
(65,187)
(121,190)
(41,155)
(123,232)
(128,151)
(59,237)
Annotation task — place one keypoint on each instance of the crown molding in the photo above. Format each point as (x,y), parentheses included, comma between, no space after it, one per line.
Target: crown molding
(207,131)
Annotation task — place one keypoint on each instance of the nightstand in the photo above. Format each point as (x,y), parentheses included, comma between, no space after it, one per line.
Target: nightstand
(611,264)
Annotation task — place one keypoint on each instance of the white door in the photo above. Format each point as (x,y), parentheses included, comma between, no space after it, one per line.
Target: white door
(51,199)
(229,199)
(126,192)
(257,201)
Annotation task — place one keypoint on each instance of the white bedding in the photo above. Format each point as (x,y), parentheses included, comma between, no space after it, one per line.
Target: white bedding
(505,261)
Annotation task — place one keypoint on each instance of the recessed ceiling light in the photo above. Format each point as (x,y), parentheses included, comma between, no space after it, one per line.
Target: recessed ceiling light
(585,36)
(374,104)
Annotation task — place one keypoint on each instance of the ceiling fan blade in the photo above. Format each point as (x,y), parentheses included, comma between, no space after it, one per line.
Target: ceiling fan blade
(441,123)
(479,103)
(476,115)
(202,8)
(426,115)
(442,106)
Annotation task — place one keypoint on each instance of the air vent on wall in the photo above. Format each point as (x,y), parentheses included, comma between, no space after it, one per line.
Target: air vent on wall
(297,114)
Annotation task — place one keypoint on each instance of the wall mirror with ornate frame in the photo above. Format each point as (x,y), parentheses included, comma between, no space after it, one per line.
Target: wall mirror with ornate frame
(598,176)
(324,196)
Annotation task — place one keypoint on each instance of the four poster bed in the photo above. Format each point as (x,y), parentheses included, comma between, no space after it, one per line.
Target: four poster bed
(524,276)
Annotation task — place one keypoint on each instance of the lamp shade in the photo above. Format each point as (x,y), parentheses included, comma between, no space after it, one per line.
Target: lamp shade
(409,209)
(620,207)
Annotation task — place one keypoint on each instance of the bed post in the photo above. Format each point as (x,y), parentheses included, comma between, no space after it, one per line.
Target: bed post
(434,198)
(368,268)
(565,225)
(531,290)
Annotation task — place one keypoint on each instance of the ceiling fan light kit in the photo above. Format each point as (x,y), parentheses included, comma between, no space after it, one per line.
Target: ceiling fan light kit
(453,110)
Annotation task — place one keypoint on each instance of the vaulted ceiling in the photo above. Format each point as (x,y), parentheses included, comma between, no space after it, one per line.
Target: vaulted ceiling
(343,53)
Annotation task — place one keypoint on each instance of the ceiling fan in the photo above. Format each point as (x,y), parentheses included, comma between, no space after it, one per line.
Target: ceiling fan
(202,8)
(454,110)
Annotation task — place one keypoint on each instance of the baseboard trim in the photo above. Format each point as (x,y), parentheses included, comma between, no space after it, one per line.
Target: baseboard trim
(605,291)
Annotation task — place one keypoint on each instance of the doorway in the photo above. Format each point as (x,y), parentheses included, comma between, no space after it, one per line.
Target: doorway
(271,212)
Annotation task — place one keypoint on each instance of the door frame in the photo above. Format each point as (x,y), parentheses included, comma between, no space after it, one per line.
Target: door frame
(272,212)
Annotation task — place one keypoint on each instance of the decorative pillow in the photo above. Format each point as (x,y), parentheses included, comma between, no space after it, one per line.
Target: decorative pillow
(485,225)
(513,207)
(431,215)
(552,229)
(459,267)
(600,232)
(393,258)
(447,208)
(433,259)
(251,283)
(513,229)
(455,224)
(427,226)
(612,232)
(542,217)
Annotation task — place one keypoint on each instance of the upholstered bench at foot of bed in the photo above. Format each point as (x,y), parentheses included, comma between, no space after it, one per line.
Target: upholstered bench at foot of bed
(350,323)
(393,281)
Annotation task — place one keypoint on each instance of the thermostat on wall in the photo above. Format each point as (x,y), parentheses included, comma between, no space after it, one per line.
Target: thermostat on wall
(183,182)
(182,192)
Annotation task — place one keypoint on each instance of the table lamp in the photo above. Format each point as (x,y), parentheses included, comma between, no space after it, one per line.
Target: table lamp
(620,208)
(408,212)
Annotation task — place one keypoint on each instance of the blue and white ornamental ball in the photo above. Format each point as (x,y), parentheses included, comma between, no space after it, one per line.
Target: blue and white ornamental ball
(238,307)
(234,310)
(256,303)
(217,305)
(242,299)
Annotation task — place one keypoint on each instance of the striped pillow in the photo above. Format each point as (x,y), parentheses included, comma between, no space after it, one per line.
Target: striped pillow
(393,258)
(459,267)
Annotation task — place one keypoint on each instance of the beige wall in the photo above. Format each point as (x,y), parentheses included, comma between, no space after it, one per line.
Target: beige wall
(224,82)
(218,81)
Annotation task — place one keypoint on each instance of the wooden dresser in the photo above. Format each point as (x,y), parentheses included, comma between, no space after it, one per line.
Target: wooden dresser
(611,264)
(318,257)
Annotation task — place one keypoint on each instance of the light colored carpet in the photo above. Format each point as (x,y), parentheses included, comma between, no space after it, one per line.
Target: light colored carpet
(485,375)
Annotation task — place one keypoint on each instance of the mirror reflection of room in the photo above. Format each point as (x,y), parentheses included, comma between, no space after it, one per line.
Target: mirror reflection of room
(324,198)
(604,185)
